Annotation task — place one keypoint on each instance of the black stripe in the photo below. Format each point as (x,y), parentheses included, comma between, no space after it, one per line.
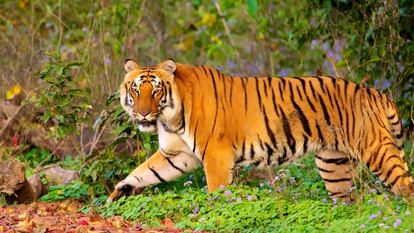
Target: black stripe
(321,84)
(157,175)
(280,89)
(216,98)
(265,87)
(313,92)
(381,159)
(387,176)
(223,83)
(339,161)
(325,111)
(168,153)
(274,103)
(243,147)
(339,110)
(268,129)
(299,92)
(195,137)
(269,153)
(170,95)
(392,183)
(172,164)
(336,180)
(305,143)
(269,81)
(308,100)
(282,158)
(231,90)
(290,139)
(243,81)
(290,88)
(259,97)
(320,135)
(260,142)
(137,178)
(399,135)
(391,117)
(182,126)
(239,159)
(251,151)
(302,117)
(205,148)
(324,170)
(353,122)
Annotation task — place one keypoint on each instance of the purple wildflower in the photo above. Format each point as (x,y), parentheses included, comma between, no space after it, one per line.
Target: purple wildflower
(397,223)
(373,216)
(108,60)
(196,210)
(249,197)
(227,192)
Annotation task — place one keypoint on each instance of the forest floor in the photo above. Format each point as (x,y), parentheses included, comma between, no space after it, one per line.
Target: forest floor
(66,217)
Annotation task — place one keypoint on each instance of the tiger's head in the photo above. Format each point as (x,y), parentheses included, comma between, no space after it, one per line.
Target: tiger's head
(146,93)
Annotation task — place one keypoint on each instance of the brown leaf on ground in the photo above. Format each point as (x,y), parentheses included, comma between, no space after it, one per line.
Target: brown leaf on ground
(57,217)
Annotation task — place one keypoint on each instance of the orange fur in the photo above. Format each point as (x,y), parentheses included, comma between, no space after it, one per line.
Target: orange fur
(205,117)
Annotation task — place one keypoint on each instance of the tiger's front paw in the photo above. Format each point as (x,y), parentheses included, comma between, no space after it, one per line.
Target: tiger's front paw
(124,188)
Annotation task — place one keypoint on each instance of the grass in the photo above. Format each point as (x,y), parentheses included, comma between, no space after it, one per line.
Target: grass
(295,201)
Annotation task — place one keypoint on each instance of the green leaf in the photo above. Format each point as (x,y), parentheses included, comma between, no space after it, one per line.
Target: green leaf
(252,7)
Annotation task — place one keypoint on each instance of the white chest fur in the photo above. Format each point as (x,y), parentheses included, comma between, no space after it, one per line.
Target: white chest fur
(171,143)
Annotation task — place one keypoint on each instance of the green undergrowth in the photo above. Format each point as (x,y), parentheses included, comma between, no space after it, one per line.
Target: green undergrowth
(253,209)
(292,199)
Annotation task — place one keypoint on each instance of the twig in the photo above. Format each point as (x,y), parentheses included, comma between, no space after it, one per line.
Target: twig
(11,119)
(223,20)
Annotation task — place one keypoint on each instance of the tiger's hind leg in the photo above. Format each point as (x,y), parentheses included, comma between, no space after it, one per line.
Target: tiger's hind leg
(386,160)
(337,171)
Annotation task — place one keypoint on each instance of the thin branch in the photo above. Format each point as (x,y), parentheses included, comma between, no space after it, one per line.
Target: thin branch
(223,20)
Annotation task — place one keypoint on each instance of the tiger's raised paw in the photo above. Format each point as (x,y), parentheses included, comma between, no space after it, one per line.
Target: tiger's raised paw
(123,189)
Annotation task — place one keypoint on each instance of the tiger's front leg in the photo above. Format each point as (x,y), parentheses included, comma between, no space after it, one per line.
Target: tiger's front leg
(218,164)
(155,170)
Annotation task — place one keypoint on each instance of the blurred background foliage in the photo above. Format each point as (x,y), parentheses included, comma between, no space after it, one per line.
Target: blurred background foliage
(80,46)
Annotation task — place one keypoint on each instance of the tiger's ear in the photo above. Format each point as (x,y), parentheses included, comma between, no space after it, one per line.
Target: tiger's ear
(130,65)
(168,65)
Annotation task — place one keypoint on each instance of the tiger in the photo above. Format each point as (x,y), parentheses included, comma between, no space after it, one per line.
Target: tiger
(205,118)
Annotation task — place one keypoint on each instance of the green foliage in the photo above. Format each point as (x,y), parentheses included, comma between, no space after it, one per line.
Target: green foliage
(74,190)
(251,209)
(36,156)
(2,200)
(293,200)
(60,100)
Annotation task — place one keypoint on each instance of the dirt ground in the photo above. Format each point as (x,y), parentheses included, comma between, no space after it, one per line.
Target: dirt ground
(57,217)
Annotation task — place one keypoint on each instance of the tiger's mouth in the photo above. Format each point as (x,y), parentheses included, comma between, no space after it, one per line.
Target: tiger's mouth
(147,123)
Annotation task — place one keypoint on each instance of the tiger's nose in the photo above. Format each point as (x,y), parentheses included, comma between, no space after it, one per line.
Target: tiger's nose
(144,113)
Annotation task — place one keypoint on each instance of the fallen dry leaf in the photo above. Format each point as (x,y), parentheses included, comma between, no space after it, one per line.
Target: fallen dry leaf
(40,217)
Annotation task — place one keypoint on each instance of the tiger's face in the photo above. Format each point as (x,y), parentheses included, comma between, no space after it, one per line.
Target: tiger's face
(145,93)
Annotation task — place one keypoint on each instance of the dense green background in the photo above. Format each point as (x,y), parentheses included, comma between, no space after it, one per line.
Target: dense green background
(80,46)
